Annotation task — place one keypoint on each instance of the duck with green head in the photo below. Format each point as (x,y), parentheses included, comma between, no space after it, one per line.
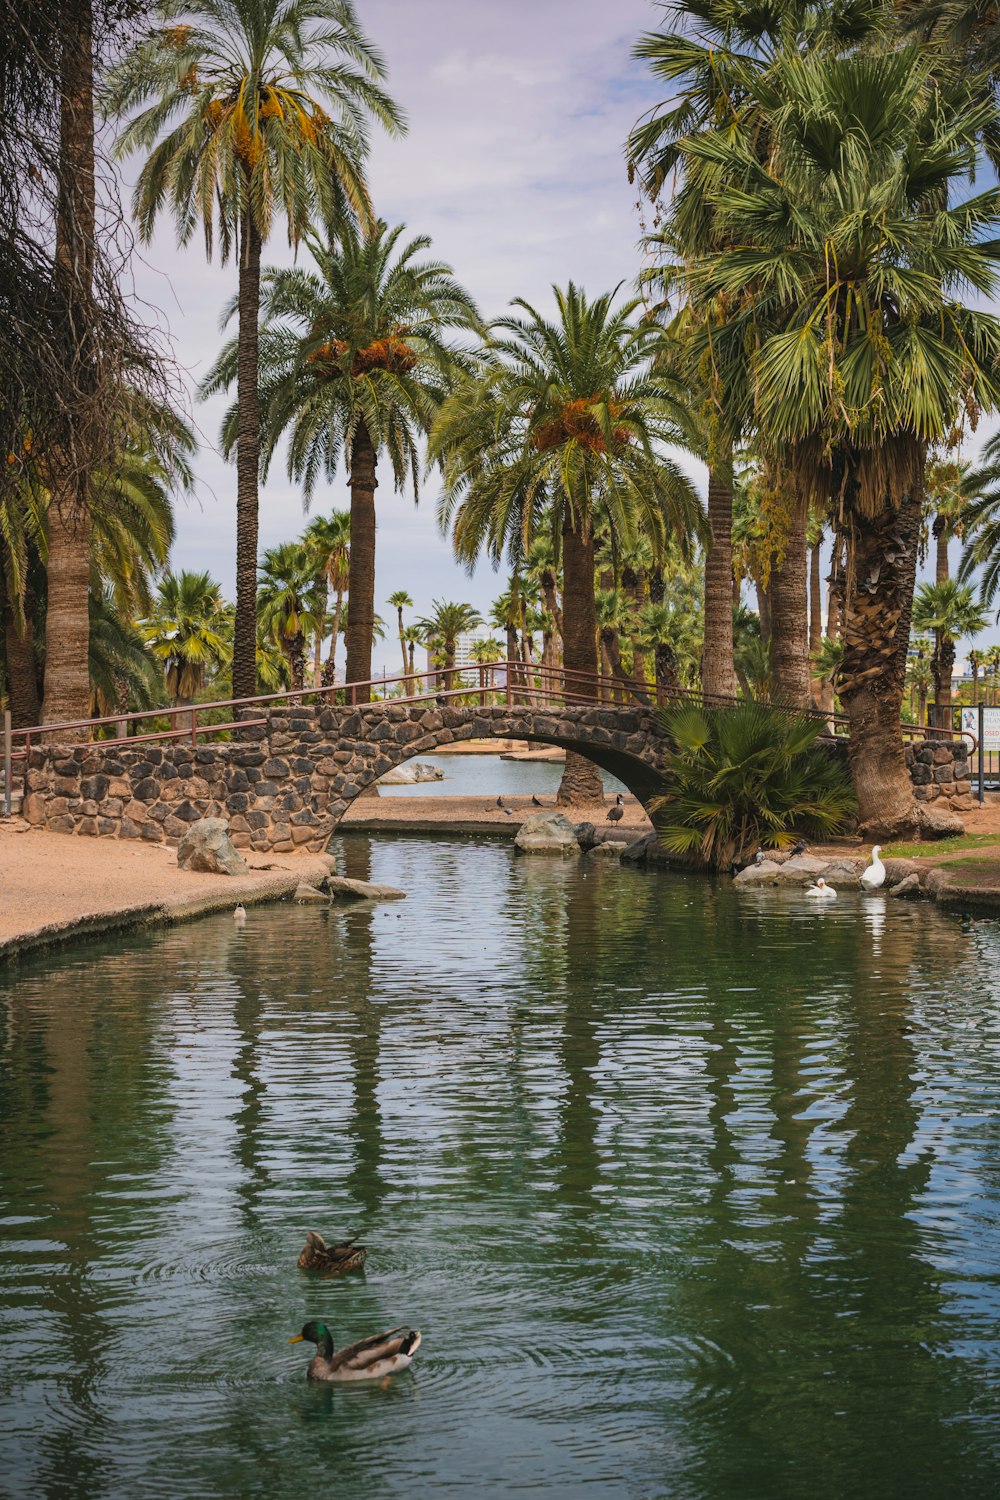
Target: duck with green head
(368,1359)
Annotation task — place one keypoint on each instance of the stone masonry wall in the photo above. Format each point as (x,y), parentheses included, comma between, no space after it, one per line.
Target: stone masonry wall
(286,784)
(940,772)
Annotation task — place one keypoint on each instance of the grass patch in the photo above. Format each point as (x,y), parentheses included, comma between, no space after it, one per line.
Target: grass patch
(941,846)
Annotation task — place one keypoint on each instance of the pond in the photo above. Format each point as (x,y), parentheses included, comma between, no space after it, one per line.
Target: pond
(489,776)
(692,1192)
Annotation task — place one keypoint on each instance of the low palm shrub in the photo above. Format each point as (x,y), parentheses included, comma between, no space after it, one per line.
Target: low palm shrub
(741,778)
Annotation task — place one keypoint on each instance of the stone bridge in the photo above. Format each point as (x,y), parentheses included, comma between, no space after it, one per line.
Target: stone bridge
(287,782)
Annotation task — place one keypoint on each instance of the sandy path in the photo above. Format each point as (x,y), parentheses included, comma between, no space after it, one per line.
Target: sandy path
(466,814)
(52,886)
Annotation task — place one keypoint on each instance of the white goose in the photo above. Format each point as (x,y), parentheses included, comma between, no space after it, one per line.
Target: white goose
(821,891)
(874,875)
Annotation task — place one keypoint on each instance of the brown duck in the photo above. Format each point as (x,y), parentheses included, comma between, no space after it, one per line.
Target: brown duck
(334,1260)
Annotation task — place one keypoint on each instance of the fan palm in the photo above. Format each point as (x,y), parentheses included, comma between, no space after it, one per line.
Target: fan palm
(250,109)
(857,352)
(187,632)
(563,417)
(737,778)
(124,673)
(950,611)
(355,362)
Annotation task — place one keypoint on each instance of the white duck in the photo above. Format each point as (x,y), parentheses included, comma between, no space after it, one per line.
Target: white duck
(240,915)
(821,891)
(874,875)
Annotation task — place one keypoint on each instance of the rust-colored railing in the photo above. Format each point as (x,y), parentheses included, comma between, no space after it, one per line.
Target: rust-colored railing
(515,684)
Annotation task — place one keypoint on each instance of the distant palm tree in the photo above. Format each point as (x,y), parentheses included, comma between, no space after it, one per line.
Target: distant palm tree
(355,360)
(484,654)
(186,631)
(443,627)
(976,660)
(327,541)
(249,109)
(401,600)
(286,603)
(124,673)
(413,636)
(565,415)
(951,612)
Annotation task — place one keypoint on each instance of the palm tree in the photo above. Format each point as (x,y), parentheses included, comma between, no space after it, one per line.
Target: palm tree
(286,603)
(327,540)
(413,637)
(187,631)
(484,654)
(442,628)
(828,300)
(919,677)
(399,601)
(993,661)
(355,362)
(951,612)
(976,660)
(248,109)
(563,416)
(124,674)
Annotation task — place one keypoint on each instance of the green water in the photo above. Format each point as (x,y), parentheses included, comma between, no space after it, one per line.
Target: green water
(693,1193)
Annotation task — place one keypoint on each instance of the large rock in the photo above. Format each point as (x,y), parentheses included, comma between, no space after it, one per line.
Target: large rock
(907,889)
(412,772)
(547,833)
(802,869)
(609,849)
(207,846)
(935,823)
(844,874)
(360,890)
(766,873)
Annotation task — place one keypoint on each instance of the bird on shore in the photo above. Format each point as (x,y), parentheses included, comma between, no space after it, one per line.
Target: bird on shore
(821,890)
(334,1260)
(507,810)
(799,847)
(874,875)
(368,1359)
(535,802)
(240,915)
(616,813)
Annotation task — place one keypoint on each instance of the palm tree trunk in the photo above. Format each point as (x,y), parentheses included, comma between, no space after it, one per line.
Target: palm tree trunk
(790,619)
(297,661)
(718,675)
(581,780)
(815,598)
(67,620)
(835,598)
(940,530)
(361,568)
(247,464)
(872,676)
(945,671)
(330,670)
(402,638)
(22,674)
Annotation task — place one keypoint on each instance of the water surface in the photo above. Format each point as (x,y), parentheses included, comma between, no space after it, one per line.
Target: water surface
(693,1193)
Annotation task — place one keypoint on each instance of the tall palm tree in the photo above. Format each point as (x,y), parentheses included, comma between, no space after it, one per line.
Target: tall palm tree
(399,601)
(413,637)
(564,415)
(858,352)
(124,673)
(976,660)
(442,628)
(250,109)
(355,361)
(186,631)
(951,612)
(327,540)
(286,603)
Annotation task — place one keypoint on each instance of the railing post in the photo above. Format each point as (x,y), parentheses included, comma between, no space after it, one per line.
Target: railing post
(510,698)
(8,762)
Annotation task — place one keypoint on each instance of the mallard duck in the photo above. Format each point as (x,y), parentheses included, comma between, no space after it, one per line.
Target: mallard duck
(333,1259)
(368,1359)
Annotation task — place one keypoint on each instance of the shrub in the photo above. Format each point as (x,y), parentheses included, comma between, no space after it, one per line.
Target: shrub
(745,777)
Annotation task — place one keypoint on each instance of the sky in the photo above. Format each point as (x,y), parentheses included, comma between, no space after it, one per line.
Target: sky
(513,164)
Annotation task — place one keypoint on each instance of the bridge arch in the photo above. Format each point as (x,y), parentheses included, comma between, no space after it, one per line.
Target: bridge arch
(287,778)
